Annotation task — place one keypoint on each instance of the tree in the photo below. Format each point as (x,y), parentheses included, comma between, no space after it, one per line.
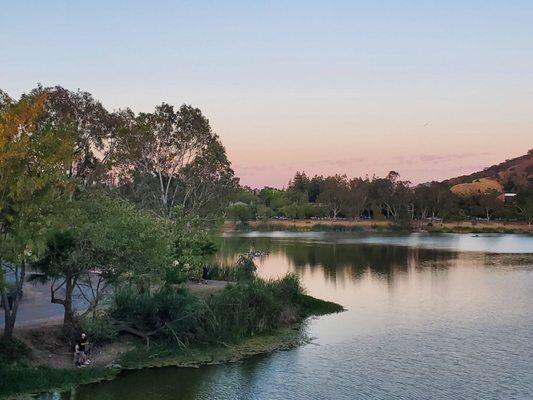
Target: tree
(240,212)
(297,190)
(92,128)
(333,193)
(391,196)
(176,157)
(34,165)
(434,200)
(524,203)
(106,239)
(208,183)
(489,203)
(357,197)
(273,198)
(313,190)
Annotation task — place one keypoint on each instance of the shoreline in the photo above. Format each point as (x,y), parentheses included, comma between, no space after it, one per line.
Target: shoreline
(378,226)
(26,381)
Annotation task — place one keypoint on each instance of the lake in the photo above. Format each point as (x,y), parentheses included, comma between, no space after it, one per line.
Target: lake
(446,316)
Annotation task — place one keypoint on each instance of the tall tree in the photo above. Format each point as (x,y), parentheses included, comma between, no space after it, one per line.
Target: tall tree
(333,193)
(434,200)
(524,203)
(93,129)
(34,165)
(297,190)
(489,203)
(104,240)
(357,197)
(180,161)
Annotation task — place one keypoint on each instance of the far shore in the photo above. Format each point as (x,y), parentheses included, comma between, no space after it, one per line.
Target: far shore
(303,225)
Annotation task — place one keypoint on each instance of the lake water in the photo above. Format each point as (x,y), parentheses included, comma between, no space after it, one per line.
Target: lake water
(429,317)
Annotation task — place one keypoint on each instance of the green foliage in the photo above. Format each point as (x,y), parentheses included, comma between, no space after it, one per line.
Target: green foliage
(39,379)
(314,306)
(192,248)
(12,351)
(241,212)
(230,273)
(524,203)
(382,198)
(171,313)
(34,185)
(100,329)
(175,276)
(253,308)
(112,236)
(171,157)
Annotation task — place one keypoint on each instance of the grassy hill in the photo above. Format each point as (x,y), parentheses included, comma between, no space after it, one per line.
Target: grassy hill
(516,173)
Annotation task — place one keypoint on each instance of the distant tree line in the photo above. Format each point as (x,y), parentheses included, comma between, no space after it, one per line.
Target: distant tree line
(388,197)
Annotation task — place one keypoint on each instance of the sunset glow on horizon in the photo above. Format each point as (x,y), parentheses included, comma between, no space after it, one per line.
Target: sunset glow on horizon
(431,90)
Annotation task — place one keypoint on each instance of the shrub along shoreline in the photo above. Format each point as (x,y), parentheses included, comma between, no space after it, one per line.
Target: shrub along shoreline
(244,319)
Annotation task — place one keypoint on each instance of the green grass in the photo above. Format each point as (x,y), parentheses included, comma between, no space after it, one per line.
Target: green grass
(470,229)
(162,354)
(33,380)
(315,307)
(12,351)
(337,228)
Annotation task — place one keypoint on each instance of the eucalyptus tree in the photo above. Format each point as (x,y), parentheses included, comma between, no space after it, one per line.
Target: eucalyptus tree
(333,193)
(175,158)
(391,195)
(92,128)
(434,200)
(357,197)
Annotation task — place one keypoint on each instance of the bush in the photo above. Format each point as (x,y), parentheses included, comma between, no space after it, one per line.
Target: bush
(12,351)
(175,276)
(242,310)
(288,289)
(231,274)
(169,313)
(244,269)
(99,329)
(255,307)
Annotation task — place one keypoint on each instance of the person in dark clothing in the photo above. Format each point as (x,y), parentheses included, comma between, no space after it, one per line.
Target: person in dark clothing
(81,350)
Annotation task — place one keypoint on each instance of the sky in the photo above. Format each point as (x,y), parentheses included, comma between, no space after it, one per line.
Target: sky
(431,89)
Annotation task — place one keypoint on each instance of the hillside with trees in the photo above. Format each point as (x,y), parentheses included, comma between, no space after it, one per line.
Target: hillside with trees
(514,174)
(382,198)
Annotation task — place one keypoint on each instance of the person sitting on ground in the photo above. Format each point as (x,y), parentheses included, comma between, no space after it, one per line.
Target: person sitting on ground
(81,349)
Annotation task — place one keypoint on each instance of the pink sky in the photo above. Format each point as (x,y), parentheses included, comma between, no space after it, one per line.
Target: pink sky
(429,89)
(426,140)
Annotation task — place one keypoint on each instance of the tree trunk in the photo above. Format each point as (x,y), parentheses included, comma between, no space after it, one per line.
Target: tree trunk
(8,330)
(69,322)
(10,310)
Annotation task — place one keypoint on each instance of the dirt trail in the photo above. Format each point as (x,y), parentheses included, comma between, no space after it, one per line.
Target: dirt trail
(50,347)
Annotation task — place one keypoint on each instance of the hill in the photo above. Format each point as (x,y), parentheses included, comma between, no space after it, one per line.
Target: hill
(482,185)
(512,174)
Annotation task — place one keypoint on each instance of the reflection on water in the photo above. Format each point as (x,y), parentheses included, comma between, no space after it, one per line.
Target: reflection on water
(422,322)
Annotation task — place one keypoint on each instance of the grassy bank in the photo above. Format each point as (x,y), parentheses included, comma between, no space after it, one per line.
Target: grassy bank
(250,318)
(379,226)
